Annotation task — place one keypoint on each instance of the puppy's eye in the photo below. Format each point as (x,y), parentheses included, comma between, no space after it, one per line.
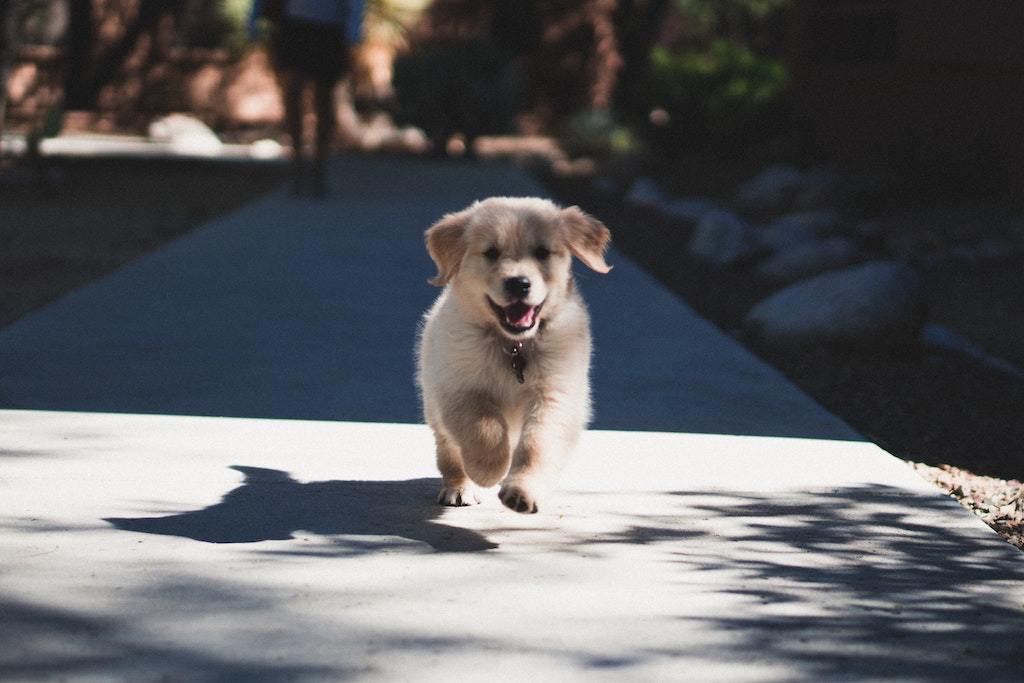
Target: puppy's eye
(491,254)
(541,253)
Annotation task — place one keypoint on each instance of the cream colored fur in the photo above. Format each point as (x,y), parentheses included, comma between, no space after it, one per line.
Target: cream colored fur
(490,428)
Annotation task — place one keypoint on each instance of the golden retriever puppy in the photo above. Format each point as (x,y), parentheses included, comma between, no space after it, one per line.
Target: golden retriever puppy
(504,352)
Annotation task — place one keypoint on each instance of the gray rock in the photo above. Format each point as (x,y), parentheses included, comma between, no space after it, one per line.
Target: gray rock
(988,251)
(942,338)
(645,192)
(873,305)
(809,258)
(186,135)
(824,223)
(688,209)
(772,238)
(771,191)
(797,228)
(722,238)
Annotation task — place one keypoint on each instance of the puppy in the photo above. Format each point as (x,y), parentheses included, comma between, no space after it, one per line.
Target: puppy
(504,352)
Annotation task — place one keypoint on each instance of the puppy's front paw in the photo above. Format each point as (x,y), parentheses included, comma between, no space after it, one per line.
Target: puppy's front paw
(517,497)
(458,495)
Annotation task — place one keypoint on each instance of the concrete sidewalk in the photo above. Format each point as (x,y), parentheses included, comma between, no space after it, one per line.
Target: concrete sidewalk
(738,531)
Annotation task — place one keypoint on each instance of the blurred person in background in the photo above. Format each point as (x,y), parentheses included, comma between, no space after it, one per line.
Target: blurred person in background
(310,44)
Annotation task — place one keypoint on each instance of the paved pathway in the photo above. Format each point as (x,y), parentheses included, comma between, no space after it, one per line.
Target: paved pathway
(309,310)
(737,531)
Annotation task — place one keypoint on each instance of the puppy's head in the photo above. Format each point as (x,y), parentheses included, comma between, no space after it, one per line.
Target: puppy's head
(508,259)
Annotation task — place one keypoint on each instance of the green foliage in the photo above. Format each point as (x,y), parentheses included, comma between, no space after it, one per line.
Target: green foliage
(725,80)
(711,17)
(596,132)
(234,15)
(757,8)
(723,93)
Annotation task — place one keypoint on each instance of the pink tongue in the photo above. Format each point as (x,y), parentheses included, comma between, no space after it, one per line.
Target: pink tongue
(519,315)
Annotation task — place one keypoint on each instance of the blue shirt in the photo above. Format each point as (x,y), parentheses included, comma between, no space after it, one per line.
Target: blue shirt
(345,13)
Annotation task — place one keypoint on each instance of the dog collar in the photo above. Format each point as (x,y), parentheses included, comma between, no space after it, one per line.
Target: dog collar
(516,351)
(518,358)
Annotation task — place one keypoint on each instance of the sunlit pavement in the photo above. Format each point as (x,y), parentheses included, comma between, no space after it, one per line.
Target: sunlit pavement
(204,475)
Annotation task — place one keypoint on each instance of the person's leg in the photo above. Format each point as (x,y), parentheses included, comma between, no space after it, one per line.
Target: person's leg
(325,125)
(293,83)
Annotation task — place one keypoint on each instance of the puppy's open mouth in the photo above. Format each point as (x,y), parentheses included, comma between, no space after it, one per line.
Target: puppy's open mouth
(518,317)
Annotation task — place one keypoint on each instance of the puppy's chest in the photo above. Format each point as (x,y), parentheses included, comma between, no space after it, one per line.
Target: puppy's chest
(507,368)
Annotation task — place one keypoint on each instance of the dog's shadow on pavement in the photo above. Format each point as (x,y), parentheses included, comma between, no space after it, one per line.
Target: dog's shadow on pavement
(271,506)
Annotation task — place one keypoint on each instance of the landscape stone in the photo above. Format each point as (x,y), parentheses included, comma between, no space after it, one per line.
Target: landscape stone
(722,238)
(941,337)
(809,258)
(771,191)
(822,222)
(988,251)
(796,228)
(688,209)
(873,305)
(772,239)
(645,192)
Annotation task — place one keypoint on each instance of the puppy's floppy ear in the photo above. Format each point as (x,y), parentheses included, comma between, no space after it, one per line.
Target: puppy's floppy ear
(588,238)
(446,245)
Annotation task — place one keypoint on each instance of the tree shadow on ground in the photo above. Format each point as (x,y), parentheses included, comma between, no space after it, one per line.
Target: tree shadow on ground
(42,642)
(862,581)
(271,506)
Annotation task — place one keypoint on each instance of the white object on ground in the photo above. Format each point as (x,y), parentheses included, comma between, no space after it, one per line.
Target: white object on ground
(266,149)
(186,135)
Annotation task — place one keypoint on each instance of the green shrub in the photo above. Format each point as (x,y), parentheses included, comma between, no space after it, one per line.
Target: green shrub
(596,132)
(723,94)
(234,19)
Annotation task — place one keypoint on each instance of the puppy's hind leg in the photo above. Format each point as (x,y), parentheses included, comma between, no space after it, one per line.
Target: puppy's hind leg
(456,488)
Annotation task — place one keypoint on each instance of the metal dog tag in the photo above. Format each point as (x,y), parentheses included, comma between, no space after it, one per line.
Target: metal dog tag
(518,361)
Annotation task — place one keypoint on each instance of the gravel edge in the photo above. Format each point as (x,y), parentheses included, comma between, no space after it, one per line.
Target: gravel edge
(998,502)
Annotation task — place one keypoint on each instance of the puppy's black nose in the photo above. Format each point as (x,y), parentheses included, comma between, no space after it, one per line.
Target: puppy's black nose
(517,287)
